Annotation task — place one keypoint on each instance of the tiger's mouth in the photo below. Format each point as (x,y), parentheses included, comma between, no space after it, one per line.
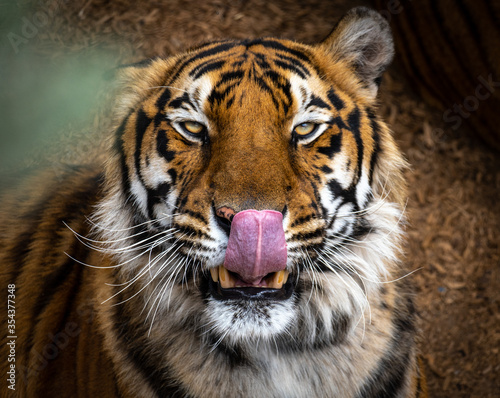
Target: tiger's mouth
(225,284)
(255,260)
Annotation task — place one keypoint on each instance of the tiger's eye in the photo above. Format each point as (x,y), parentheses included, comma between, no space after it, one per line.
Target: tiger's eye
(193,127)
(305,128)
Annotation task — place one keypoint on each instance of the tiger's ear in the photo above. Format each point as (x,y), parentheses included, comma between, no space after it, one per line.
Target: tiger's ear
(363,39)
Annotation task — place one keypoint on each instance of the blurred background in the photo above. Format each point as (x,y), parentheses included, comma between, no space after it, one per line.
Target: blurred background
(441,97)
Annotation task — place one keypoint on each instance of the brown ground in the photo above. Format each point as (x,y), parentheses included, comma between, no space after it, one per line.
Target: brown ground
(454,182)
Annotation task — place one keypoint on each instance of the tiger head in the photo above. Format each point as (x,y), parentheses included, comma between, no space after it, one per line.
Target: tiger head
(254,193)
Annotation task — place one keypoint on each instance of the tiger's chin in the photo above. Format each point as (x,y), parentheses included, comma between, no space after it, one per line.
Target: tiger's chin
(240,312)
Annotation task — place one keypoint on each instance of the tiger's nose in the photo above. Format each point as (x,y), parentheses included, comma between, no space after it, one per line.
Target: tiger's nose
(224,216)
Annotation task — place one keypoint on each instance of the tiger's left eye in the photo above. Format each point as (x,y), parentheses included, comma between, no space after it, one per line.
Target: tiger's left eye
(304,129)
(193,127)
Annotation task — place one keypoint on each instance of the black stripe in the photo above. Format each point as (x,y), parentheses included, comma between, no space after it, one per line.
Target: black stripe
(157,195)
(119,148)
(218,95)
(294,63)
(334,147)
(301,220)
(207,67)
(230,76)
(283,85)
(180,101)
(209,44)
(53,282)
(276,45)
(325,169)
(162,100)
(69,304)
(340,325)
(162,146)
(233,355)
(376,143)
(173,175)
(197,247)
(319,324)
(262,61)
(181,201)
(421,388)
(230,101)
(192,232)
(335,100)
(343,231)
(318,102)
(125,178)
(300,236)
(331,267)
(388,380)
(76,205)
(338,121)
(203,54)
(19,252)
(354,122)
(337,191)
(263,85)
(392,369)
(141,124)
(149,364)
(287,66)
(362,228)
(197,215)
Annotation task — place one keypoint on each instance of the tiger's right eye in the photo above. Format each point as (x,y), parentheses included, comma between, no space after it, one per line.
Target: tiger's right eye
(191,127)
(304,129)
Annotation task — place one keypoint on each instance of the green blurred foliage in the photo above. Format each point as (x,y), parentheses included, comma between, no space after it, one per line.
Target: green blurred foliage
(40,92)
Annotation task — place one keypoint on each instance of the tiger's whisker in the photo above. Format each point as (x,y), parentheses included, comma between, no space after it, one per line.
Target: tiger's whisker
(100,227)
(145,270)
(173,88)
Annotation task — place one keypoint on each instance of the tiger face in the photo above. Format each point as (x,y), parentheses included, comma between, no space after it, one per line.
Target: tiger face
(252,170)
(255,203)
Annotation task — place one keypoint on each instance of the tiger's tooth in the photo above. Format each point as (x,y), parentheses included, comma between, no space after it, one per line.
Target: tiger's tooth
(215,274)
(278,279)
(225,279)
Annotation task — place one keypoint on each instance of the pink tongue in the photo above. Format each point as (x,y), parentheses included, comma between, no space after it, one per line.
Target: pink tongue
(256,245)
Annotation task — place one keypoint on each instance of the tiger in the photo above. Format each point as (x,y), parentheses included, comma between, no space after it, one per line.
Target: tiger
(243,237)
